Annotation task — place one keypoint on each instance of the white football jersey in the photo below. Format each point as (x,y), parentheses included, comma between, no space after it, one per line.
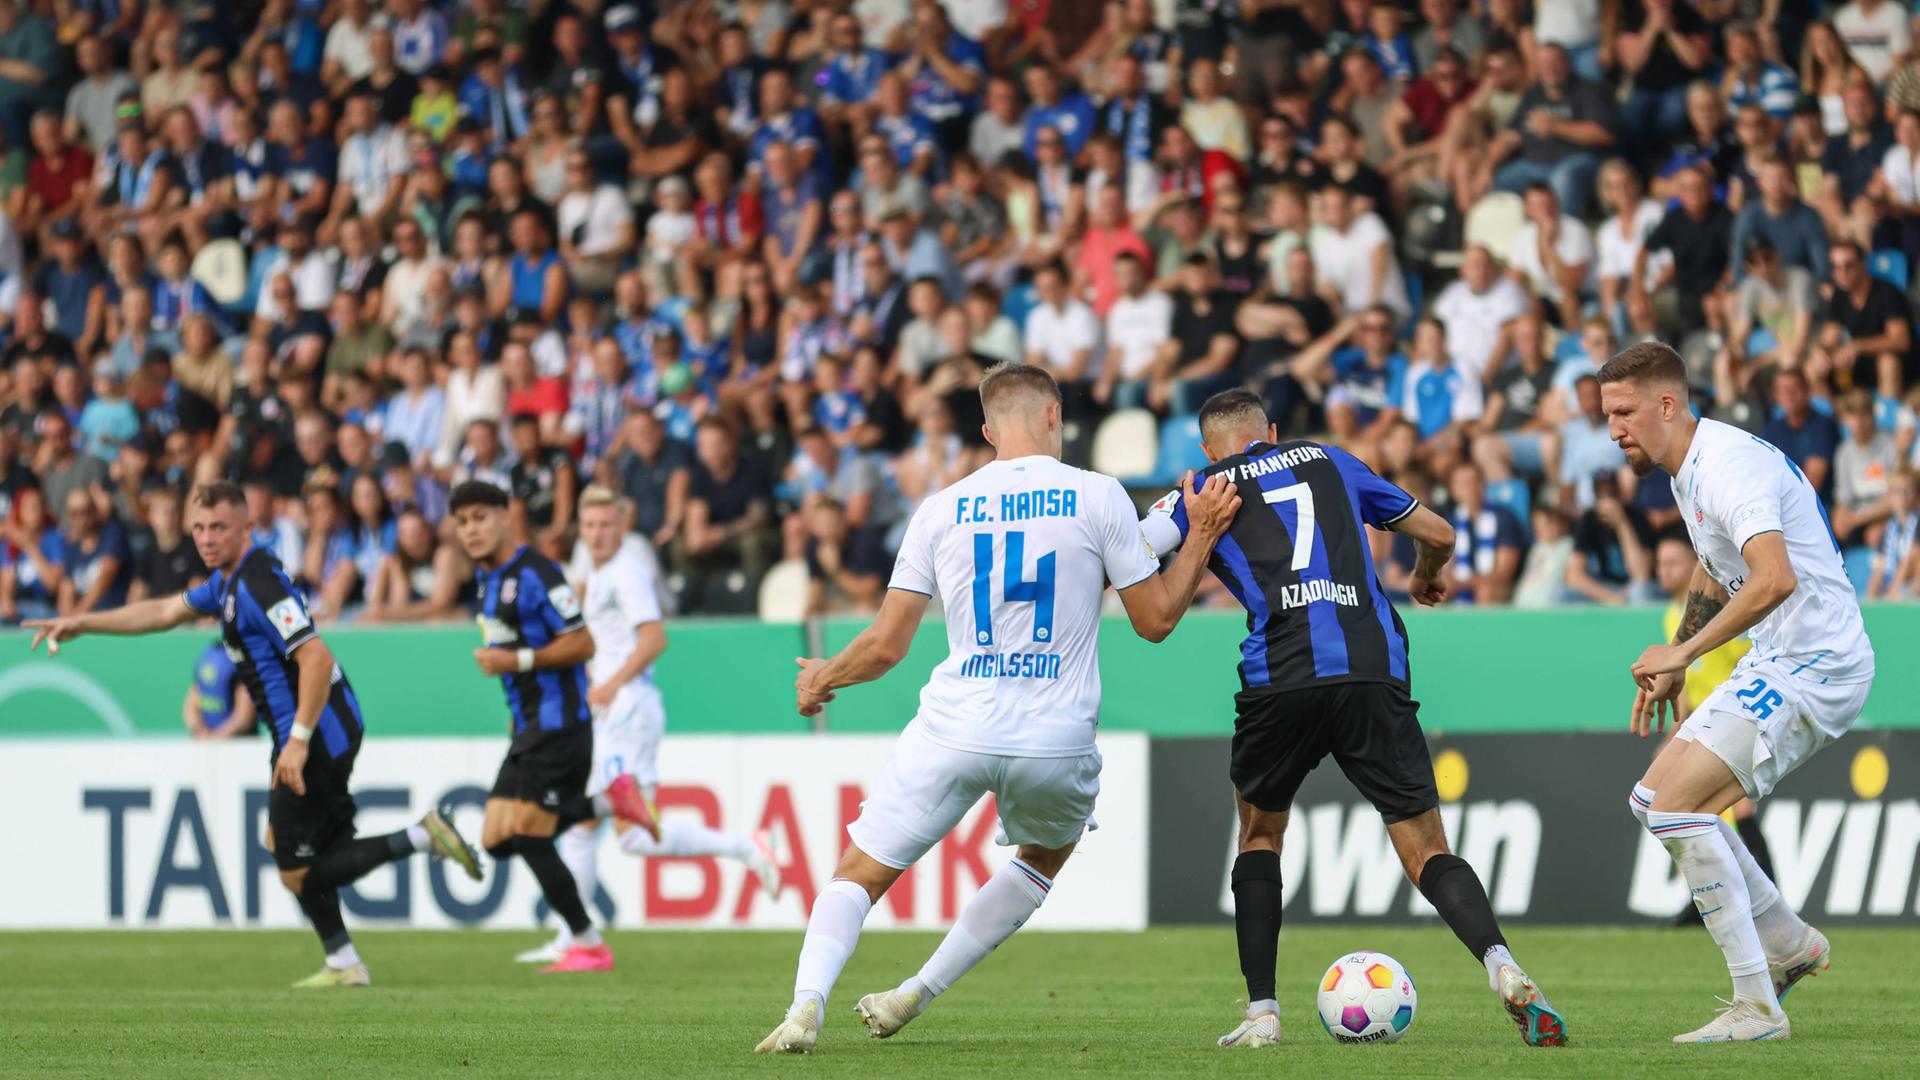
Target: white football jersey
(1019,554)
(1735,486)
(619,597)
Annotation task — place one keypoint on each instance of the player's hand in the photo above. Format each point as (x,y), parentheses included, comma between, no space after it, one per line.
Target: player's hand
(291,766)
(1427,591)
(1650,703)
(53,632)
(1659,660)
(602,696)
(496,661)
(1211,508)
(809,695)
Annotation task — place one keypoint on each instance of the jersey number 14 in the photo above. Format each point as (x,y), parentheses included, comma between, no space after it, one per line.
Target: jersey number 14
(1017,587)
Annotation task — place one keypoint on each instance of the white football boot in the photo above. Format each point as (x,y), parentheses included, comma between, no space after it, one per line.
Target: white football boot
(886,1012)
(1740,1021)
(796,1034)
(1810,959)
(548,953)
(1262,1029)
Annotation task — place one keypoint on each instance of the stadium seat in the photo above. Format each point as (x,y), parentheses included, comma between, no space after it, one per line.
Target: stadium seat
(1127,445)
(1179,449)
(729,593)
(1890,266)
(1494,221)
(783,592)
(222,267)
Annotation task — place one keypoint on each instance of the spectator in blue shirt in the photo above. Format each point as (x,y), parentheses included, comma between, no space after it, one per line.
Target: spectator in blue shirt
(914,141)
(76,285)
(944,68)
(98,567)
(1439,395)
(1793,227)
(109,419)
(852,75)
(1069,114)
(33,557)
(1364,374)
(1487,541)
(794,125)
(1808,438)
(1753,79)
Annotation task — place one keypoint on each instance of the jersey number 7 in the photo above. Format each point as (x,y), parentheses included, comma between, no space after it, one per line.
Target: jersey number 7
(1017,589)
(1302,496)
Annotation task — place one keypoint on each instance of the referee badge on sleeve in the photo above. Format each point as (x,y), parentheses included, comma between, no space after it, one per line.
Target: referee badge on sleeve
(287,618)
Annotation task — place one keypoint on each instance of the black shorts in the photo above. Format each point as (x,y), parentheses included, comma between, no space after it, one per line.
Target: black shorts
(1371,728)
(550,771)
(306,825)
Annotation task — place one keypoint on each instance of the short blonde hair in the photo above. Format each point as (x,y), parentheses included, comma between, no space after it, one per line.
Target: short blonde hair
(598,495)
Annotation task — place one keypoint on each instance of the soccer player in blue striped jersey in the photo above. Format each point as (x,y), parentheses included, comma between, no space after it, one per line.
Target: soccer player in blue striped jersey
(309,706)
(535,640)
(1323,670)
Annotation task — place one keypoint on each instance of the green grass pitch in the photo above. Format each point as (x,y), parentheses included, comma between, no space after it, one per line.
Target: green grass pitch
(207,1005)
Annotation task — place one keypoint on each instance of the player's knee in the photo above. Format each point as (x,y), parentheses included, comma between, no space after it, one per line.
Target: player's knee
(499,847)
(294,880)
(1639,801)
(1047,862)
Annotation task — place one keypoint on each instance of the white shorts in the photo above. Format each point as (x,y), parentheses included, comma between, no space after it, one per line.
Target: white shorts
(626,738)
(1765,722)
(927,788)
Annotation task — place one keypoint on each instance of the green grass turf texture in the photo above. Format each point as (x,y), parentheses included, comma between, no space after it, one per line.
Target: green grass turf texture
(203,1005)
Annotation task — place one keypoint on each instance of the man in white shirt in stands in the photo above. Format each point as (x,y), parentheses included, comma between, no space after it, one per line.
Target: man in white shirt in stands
(1552,254)
(1355,256)
(1062,332)
(1478,311)
(1140,320)
(622,609)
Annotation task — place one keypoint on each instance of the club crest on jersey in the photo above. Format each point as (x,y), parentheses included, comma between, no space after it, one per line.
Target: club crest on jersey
(287,618)
(509,589)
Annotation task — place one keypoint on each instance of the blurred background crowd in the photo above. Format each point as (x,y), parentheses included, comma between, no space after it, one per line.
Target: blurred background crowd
(744,261)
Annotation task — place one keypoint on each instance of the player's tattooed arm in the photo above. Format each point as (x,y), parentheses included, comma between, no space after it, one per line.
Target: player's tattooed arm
(1705,598)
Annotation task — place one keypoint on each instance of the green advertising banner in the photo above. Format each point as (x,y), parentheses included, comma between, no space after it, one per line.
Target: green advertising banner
(1474,672)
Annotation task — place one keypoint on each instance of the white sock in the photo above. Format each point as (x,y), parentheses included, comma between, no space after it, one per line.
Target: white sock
(1262,1007)
(833,929)
(343,957)
(1701,852)
(588,940)
(1781,930)
(681,836)
(1495,957)
(1640,802)
(418,836)
(602,806)
(1003,905)
(580,850)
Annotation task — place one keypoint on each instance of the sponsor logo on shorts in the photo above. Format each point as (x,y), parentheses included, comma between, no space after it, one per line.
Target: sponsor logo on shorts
(552,798)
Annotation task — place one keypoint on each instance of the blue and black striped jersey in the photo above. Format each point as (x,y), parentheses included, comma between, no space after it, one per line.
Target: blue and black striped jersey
(263,622)
(525,604)
(1296,557)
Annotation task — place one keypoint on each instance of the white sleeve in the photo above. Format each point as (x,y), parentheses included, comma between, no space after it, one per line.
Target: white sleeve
(1746,496)
(1162,532)
(1124,549)
(639,600)
(913,568)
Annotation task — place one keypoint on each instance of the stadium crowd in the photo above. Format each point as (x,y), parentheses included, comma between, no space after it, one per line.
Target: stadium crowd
(744,262)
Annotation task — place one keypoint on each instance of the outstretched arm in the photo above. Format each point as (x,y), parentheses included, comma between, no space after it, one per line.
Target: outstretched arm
(1156,604)
(867,657)
(161,613)
(1433,549)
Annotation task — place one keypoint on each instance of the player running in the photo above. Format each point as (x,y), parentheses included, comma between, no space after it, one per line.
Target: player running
(1769,568)
(1019,553)
(623,616)
(537,643)
(1323,671)
(301,692)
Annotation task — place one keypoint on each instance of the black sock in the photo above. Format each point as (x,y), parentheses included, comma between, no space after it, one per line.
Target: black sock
(556,881)
(1256,919)
(349,861)
(323,911)
(1748,829)
(1454,890)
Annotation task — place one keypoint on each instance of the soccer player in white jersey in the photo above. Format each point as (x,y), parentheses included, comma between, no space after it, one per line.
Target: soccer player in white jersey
(1019,553)
(623,616)
(1769,568)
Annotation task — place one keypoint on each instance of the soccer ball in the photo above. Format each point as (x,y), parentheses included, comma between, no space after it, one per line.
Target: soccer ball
(1366,997)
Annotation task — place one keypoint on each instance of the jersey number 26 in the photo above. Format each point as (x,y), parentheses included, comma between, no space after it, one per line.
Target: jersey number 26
(1018,589)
